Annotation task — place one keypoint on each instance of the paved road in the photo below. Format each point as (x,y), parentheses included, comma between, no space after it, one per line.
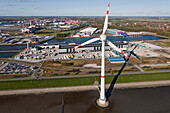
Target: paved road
(90,75)
(154,65)
(3,65)
(41,73)
(34,74)
(139,68)
(136,66)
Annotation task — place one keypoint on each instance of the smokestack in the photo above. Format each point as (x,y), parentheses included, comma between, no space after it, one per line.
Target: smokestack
(30,22)
(27,45)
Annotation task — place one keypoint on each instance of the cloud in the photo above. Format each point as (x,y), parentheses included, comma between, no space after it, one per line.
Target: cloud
(160,12)
(36,8)
(10,5)
(25,0)
(142,13)
(2,10)
(155,13)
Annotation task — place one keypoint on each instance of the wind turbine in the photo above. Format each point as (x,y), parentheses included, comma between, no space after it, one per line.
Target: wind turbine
(102,101)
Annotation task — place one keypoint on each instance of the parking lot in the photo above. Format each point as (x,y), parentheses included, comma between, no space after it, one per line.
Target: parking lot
(36,55)
(45,54)
(14,68)
(25,39)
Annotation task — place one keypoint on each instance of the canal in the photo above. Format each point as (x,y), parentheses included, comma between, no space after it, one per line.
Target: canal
(74,40)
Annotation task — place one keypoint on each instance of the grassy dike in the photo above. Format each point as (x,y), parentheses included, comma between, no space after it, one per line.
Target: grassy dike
(27,84)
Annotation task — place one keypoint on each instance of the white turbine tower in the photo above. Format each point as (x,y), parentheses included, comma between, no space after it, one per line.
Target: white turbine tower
(102,102)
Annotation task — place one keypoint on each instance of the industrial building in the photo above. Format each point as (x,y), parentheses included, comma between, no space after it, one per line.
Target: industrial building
(116,59)
(89,30)
(42,52)
(68,26)
(49,46)
(134,33)
(117,32)
(67,48)
(59,23)
(64,48)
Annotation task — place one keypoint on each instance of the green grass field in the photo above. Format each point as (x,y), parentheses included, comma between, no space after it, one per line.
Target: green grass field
(26,84)
(52,32)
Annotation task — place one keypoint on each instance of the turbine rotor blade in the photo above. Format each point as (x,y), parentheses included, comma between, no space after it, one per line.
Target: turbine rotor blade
(87,42)
(116,48)
(106,20)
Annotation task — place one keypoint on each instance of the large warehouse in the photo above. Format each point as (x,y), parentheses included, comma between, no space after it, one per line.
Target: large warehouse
(67,48)
(89,30)
(64,48)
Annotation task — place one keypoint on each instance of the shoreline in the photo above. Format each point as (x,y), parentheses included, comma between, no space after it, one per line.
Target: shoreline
(130,85)
(163,37)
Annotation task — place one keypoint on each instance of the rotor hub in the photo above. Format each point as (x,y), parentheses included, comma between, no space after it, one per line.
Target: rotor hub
(102,37)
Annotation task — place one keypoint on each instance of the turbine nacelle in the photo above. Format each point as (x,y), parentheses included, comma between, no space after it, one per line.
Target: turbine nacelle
(132,52)
(102,37)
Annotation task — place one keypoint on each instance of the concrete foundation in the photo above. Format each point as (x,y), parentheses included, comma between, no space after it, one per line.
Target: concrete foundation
(102,104)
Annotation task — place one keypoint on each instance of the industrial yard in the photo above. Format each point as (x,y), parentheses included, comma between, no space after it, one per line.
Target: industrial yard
(88,62)
(42,47)
(61,59)
(84,57)
(65,52)
(14,70)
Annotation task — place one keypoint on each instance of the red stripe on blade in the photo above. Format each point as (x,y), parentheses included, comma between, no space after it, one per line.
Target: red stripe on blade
(73,48)
(107,12)
(109,5)
(122,53)
(102,76)
(79,45)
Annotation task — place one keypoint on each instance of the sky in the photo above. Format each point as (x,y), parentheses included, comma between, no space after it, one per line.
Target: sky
(84,7)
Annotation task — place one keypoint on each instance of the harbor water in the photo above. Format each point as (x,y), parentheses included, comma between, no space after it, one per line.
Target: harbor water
(7,54)
(113,39)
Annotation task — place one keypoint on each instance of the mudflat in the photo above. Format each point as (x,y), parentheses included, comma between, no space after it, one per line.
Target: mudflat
(142,100)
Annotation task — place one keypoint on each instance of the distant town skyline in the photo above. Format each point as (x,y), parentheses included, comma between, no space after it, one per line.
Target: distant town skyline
(84,7)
